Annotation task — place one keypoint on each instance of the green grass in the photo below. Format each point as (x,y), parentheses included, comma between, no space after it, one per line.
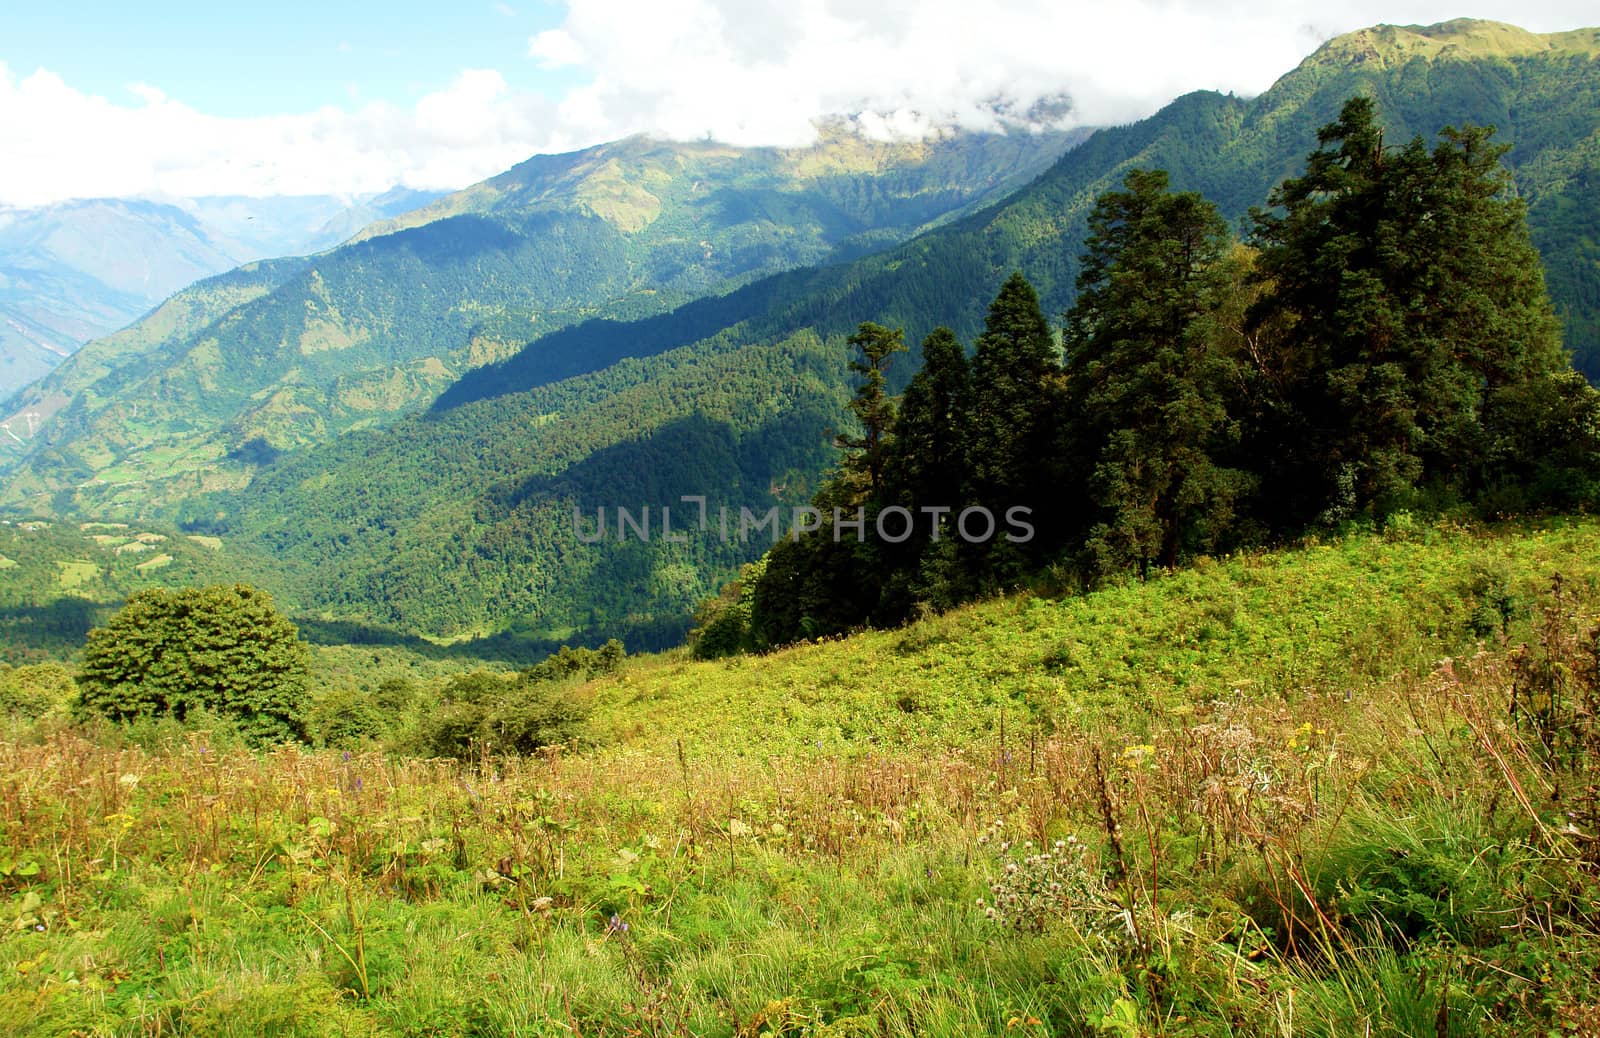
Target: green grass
(1295,821)
(1275,626)
(76,572)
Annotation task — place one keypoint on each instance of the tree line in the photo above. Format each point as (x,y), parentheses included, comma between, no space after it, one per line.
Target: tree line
(1380,341)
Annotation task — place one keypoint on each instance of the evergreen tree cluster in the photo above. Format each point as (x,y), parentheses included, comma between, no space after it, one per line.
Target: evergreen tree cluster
(1381,341)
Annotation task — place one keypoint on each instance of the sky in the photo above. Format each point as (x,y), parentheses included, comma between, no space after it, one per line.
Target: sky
(190,99)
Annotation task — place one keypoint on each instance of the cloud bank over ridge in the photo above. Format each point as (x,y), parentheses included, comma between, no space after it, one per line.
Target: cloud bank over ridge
(743,71)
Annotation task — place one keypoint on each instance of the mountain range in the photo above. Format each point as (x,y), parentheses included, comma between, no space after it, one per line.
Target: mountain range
(595,330)
(287,353)
(74,271)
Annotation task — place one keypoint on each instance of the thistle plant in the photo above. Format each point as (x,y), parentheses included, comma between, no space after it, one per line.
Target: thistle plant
(1043,885)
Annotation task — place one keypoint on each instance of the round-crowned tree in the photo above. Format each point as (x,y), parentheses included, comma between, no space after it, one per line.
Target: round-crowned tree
(224,649)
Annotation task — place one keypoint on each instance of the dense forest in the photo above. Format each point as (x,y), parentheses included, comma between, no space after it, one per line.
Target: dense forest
(1381,345)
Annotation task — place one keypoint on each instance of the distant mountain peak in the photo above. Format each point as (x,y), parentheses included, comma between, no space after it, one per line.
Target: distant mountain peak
(622,181)
(1389,46)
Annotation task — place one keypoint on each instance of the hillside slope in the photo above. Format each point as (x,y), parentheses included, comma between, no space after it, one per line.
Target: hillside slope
(383,323)
(57,580)
(471,528)
(1319,619)
(79,270)
(1258,797)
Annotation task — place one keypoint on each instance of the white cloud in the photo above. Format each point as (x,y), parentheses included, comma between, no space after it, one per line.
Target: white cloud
(754,71)
(556,49)
(62,143)
(744,71)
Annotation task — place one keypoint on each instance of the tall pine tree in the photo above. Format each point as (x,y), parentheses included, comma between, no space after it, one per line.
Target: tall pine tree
(1016,384)
(873,407)
(1408,293)
(1146,409)
(928,461)
(929,468)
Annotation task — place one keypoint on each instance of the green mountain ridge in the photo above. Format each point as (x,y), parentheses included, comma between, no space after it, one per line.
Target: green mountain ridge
(731,397)
(78,270)
(386,321)
(468,529)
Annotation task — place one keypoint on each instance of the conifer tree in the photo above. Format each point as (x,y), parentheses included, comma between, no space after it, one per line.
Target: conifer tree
(1410,293)
(1145,410)
(927,462)
(872,406)
(1015,384)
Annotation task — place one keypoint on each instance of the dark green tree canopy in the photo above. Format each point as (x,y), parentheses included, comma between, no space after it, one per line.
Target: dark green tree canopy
(1016,343)
(1409,293)
(928,463)
(873,407)
(1014,387)
(1147,375)
(223,649)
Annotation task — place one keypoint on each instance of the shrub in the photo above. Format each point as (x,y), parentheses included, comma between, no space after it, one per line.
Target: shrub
(347,718)
(223,649)
(722,624)
(488,712)
(29,693)
(568,662)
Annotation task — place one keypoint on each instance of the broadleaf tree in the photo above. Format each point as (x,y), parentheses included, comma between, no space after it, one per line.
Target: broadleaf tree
(223,649)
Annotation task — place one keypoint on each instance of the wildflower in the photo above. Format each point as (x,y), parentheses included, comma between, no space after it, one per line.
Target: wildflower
(616,925)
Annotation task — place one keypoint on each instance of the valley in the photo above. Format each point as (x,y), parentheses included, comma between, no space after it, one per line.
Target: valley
(482,613)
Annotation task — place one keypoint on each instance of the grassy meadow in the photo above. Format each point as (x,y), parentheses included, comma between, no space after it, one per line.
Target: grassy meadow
(1345,789)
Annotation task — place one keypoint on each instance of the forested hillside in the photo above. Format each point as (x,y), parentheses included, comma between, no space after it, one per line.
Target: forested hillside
(484,540)
(82,269)
(57,579)
(353,336)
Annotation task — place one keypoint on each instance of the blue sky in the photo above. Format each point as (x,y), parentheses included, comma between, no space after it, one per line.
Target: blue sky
(264,59)
(182,99)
